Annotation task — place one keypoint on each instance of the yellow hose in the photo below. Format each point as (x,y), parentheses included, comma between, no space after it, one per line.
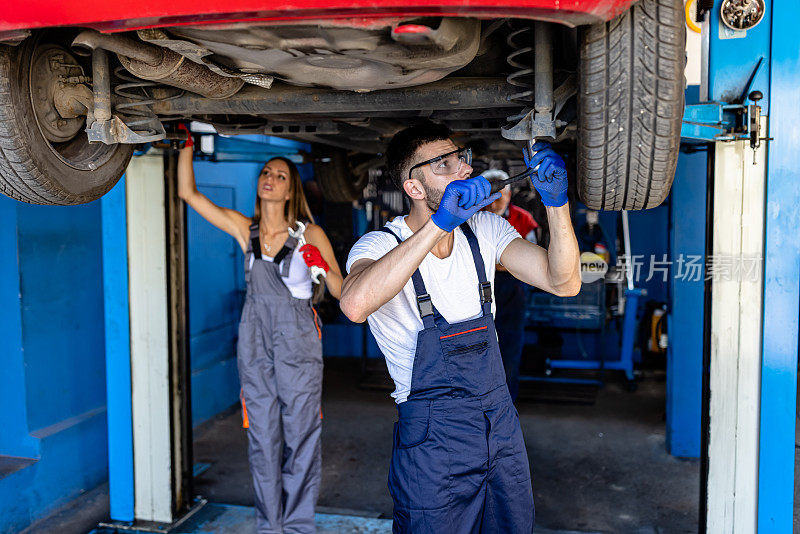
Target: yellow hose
(689,19)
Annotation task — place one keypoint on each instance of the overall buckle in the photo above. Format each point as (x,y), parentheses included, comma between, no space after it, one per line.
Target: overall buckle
(425,305)
(485,289)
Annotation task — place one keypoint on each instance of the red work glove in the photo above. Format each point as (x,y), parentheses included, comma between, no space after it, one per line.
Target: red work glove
(189,140)
(313,257)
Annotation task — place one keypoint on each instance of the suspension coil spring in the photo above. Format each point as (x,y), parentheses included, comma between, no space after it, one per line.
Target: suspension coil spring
(135,90)
(520,58)
(139,116)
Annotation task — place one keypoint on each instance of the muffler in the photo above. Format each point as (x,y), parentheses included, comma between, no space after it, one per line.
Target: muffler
(161,65)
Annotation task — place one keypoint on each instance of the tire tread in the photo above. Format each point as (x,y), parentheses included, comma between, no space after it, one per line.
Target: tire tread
(631,106)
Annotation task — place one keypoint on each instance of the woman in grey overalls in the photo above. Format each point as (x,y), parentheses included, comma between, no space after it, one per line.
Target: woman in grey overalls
(279,351)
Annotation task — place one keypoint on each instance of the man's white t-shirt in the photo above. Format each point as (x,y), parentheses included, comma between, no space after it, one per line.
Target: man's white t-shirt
(452,283)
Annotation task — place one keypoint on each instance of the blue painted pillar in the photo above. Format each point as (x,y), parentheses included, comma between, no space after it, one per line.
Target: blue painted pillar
(118,356)
(781,279)
(685,318)
(14,437)
(732,57)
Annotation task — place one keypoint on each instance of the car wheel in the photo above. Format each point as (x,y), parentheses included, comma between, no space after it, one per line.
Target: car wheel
(630,106)
(338,179)
(45,158)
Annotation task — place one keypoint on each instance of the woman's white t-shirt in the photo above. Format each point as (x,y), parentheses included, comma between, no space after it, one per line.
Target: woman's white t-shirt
(299,279)
(452,283)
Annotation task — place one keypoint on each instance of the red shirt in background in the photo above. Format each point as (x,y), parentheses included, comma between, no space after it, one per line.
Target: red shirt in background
(521,220)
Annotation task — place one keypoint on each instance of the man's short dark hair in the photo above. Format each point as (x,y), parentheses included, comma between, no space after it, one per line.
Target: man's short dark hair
(403,147)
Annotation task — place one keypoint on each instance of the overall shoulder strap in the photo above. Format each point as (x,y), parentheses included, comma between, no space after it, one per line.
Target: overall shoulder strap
(255,241)
(384,229)
(484,286)
(286,251)
(427,311)
(253,251)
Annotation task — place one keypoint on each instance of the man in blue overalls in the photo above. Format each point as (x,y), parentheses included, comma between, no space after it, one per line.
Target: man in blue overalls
(459,463)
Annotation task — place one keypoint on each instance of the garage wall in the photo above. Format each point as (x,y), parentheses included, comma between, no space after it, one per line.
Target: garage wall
(62,311)
(685,317)
(15,440)
(216,287)
(56,409)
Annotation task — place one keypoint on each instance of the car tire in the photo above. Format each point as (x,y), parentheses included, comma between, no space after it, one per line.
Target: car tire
(32,168)
(630,106)
(337,179)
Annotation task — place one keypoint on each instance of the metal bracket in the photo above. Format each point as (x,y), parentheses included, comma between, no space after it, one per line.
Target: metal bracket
(720,121)
(534,125)
(145,527)
(726,121)
(116,131)
(715,121)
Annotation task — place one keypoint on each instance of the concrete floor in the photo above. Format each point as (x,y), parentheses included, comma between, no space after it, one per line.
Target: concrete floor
(596,468)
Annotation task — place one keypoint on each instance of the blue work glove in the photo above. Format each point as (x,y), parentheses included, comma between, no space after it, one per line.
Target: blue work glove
(461,200)
(551,177)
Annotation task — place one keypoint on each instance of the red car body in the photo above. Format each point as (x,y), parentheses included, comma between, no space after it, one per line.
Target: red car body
(125,15)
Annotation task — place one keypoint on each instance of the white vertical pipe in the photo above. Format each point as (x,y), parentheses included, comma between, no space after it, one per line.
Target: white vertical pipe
(626,241)
(147,264)
(735,339)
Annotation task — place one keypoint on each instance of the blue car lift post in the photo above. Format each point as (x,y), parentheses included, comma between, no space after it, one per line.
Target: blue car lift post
(742,68)
(778,410)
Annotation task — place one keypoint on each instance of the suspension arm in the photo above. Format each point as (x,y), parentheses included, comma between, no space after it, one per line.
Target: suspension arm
(450,93)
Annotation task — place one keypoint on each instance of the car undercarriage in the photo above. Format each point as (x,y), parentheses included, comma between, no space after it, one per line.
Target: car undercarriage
(348,85)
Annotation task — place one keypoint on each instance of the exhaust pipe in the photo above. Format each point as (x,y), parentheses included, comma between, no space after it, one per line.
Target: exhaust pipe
(161,65)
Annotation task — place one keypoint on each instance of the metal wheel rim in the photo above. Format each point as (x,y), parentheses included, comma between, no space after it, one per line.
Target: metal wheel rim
(77,152)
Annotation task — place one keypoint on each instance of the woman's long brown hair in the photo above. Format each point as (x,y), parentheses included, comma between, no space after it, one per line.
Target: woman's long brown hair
(296,208)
